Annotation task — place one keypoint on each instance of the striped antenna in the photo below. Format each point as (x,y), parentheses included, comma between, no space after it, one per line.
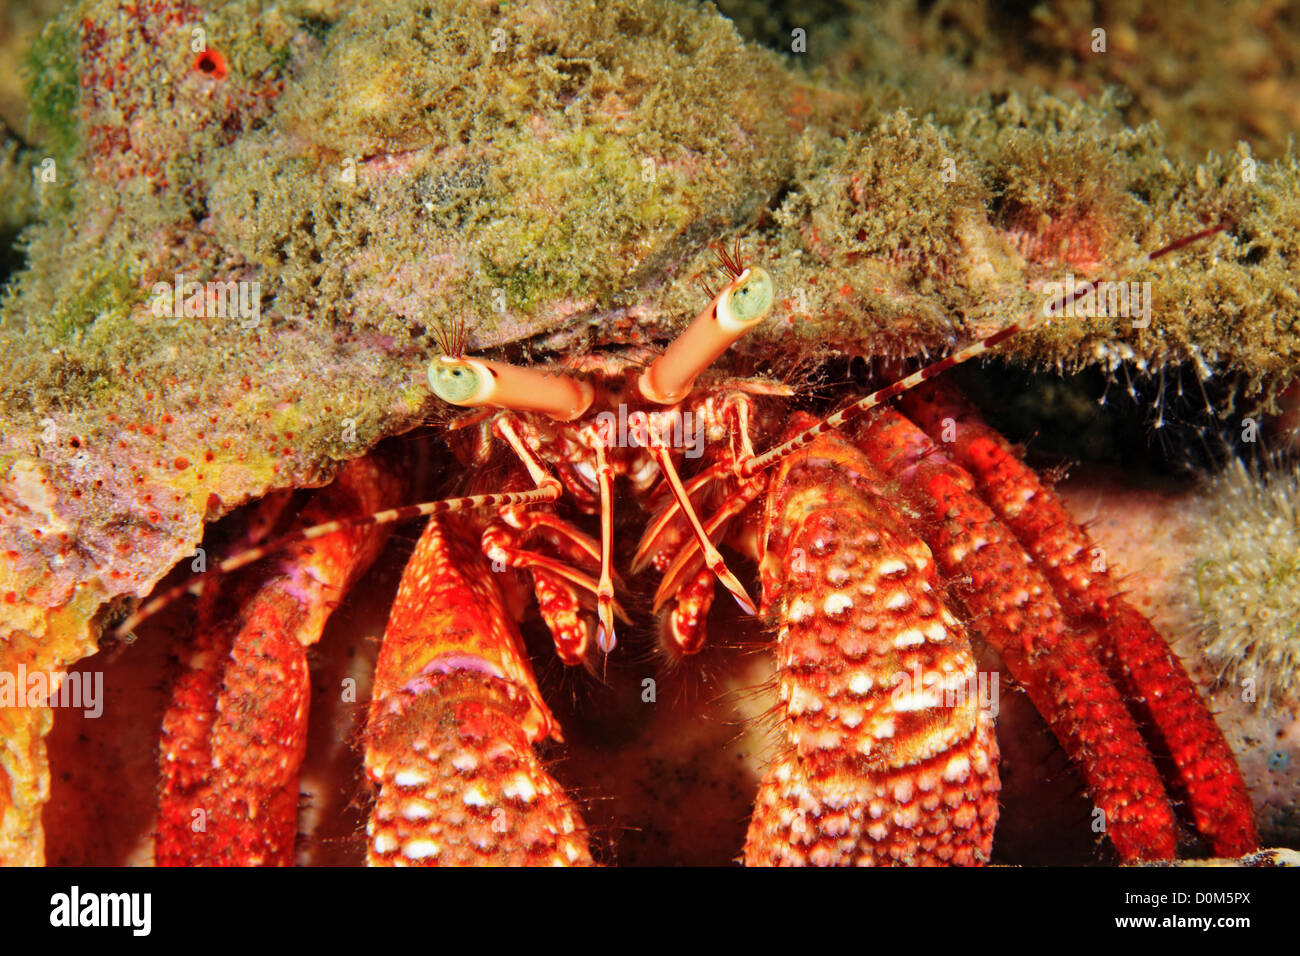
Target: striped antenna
(550,492)
(1032,321)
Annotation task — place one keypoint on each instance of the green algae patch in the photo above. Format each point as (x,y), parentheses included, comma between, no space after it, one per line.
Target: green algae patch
(580,191)
(52,82)
(516,166)
(1210,72)
(1013,194)
(97,311)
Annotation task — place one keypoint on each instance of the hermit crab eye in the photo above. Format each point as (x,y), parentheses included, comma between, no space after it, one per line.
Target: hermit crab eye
(751,299)
(454,381)
(478,383)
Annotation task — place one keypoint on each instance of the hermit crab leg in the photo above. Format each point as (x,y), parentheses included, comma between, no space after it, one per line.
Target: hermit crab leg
(659,449)
(606,607)
(1013,606)
(505,427)
(1206,768)
(605,589)
(740,406)
(549,492)
(654,531)
(235,733)
(742,449)
(570,542)
(521,558)
(498,550)
(583,543)
(683,565)
(674,578)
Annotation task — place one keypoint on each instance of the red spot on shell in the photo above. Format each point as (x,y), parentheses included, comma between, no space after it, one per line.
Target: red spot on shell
(181,463)
(211,64)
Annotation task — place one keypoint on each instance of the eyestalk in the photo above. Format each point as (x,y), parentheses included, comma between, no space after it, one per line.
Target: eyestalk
(734,311)
(472,383)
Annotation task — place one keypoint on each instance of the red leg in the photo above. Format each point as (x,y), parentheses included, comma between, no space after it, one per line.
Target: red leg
(1140,657)
(1018,615)
(236,731)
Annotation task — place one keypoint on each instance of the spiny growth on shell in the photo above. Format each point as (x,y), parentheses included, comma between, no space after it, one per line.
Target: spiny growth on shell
(1244,578)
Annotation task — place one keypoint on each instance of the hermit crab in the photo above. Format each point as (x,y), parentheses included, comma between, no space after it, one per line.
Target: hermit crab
(853,521)
(535,187)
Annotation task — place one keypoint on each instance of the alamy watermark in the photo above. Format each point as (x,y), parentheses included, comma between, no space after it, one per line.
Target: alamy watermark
(197,300)
(76,689)
(1087,300)
(921,690)
(682,430)
(133,911)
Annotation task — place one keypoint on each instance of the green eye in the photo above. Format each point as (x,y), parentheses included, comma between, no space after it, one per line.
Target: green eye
(452,382)
(753,297)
